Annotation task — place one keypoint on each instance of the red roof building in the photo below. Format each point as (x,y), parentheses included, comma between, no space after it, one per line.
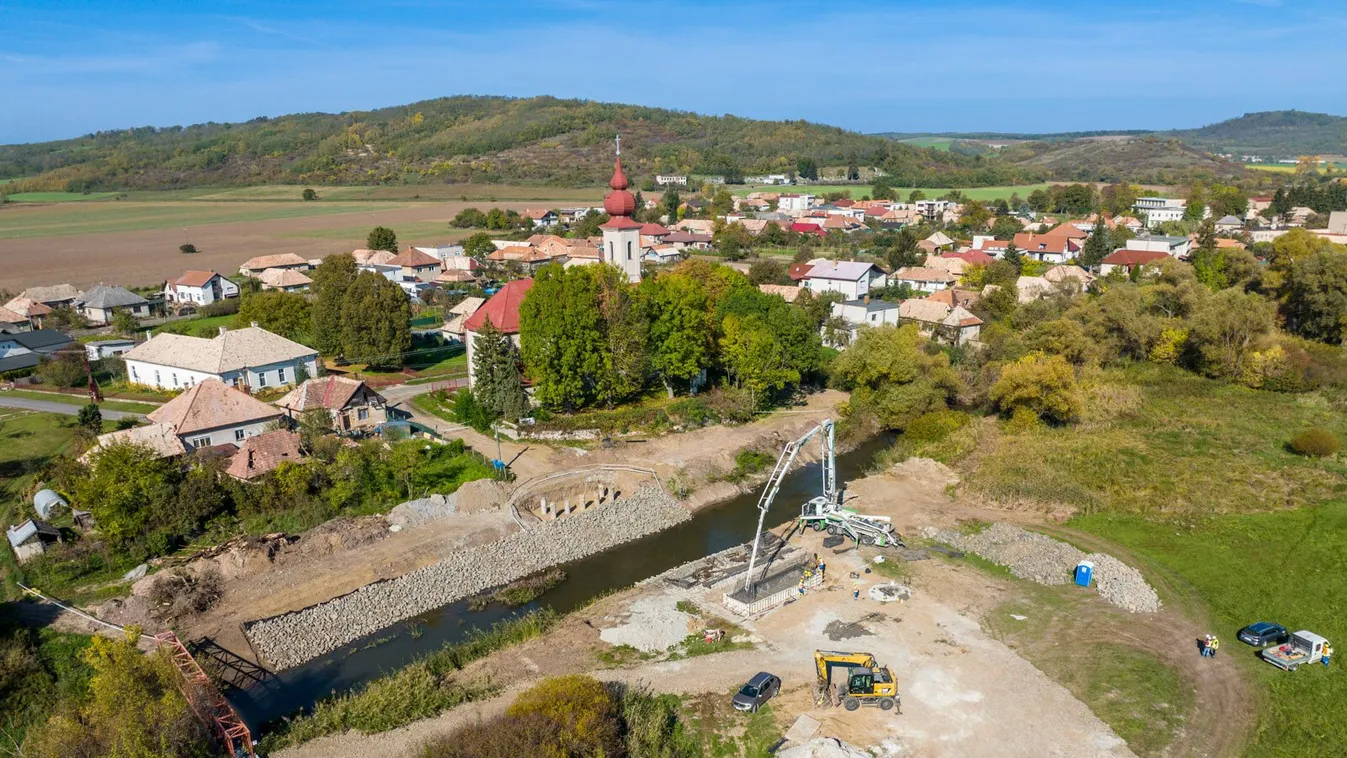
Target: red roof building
(799,271)
(502,308)
(804,228)
(1130,259)
(971,256)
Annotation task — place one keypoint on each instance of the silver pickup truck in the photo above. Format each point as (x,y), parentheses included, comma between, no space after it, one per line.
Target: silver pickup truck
(1303,647)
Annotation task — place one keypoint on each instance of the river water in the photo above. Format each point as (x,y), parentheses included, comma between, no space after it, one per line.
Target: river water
(710,530)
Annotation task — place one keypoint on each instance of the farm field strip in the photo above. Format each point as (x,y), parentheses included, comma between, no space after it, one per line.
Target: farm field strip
(127,216)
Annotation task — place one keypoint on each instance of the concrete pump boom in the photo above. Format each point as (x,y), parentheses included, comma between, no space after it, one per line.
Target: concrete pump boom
(827,462)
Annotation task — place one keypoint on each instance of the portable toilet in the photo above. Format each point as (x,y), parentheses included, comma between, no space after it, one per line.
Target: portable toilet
(1084,573)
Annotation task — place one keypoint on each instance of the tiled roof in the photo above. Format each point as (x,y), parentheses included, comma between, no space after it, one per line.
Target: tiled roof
(106,296)
(502,309)
(928,311)
(1043,243)
(519,253)
(211,405)
(1062,273)
(620,222)
(195,278)
(263,453)
(798,271)
(52,294)
(784,290)
(280,260)
(1125,257)
(413,258)
(27,307)
(331,392)
(653,230)
(924,274)
(283,277)
(233,350)
(971,256)
(161,438)
(372,257)
(10,317)
(847,271)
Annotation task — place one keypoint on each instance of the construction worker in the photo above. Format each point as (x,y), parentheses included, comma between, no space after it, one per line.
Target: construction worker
(856,591)
(1215,645)
(1328,650)
(822,570)
(1206,646)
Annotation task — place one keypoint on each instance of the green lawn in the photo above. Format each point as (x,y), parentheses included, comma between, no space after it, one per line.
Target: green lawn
(105,217)
(27,442)
(58,197)
(860,190)
(204,326)
(939,143)
(59,397)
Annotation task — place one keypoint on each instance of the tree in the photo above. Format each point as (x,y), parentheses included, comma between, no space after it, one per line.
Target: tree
(562,337)
(309,194)
(376,322)
(382,238)
(883,190)
(469,218)
(331,281)
(1196,207)
(753,358)
(1206,258)
(1006,227)
(1119,198)
(1316,297)
(314,424)
(722,203)
(1281,203)
(1096,246)
(1043,384)
(125,486)
(479,245)
(65,370)
(283,313)
(124,323)
(1040,201)
(901,249)
(1228,201)
(497,387)
(670,202)
(90,418)
(915,195)
(1014,257)
(732,241)
(853,170)
(807,168)
(187,248)
(680,328)
(132,707)
(892,377)
(768,271)
(975,215)
(1228,327)
(1294,246)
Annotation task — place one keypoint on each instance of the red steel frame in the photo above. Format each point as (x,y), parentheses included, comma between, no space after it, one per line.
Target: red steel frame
(209,705)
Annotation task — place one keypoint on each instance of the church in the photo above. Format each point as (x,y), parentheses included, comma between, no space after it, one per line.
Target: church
(621,233)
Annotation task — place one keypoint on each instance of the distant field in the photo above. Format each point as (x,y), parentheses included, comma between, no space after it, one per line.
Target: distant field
(57,197)
(414,230)
(129,216)
(939,143)
(860,190)
(1282,168)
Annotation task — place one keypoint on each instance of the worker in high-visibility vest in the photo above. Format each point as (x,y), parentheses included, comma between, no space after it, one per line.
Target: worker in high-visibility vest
(1215,645)
(1328,650)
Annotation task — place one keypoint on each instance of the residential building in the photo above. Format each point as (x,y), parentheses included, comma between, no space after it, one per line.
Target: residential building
(1128,259)
(938,320)
(663,254)
(199,288)
(1051,247)
(442,253)
(100,349)
(665,180)
(866,312)
(794,203)
(29,310)
(255,266)
(529,258)
(934,209)
(924,278)
(953,296)
(541,216)
(285,280)
(854,279)
(102,302)
(1229,224)
(653,234)
(416,265)
(365,257)
(211,413)
(53,296)
(574,215)
(786,291)
(684,240)
(1337,222)
(264,453)
(251,358)
(11,322)
(454,329)
(353,405)
(697,226)
(1059,274)
(21,350)
(501,310)
(1266,234)
(1176,247)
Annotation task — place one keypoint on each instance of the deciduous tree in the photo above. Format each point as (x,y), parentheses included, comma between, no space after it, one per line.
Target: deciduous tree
(375,322)
(1316,297)
(382,238)
(283,313)
(331,280)
(1044,384)
(753,358)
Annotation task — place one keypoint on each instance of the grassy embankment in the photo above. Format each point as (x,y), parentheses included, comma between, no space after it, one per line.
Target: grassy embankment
(1194,477)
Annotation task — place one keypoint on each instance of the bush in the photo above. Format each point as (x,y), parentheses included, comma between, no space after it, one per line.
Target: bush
(581,707)
(1316,442)
(1043,384)
(226,307)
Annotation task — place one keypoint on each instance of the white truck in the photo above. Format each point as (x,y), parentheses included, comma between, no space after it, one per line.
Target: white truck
(1303,648)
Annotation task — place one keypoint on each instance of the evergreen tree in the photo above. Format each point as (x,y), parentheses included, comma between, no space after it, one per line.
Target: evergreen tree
(375,322)
(1014,257)
(1097,246)
(671,201)
(1281,203)
(331,279)
(497,386)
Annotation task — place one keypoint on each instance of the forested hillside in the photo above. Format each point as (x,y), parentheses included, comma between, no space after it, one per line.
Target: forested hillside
(1150,159)
(1272,133)
(477,139)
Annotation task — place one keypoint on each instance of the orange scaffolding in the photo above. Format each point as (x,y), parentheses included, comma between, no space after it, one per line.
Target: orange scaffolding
(210,706)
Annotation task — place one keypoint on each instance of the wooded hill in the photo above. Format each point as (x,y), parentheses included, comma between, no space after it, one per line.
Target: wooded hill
(473,139)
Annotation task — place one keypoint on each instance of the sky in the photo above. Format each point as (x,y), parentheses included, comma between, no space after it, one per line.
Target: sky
(70,67)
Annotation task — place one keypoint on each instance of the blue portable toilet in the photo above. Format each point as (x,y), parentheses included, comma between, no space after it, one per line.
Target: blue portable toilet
(1084,573)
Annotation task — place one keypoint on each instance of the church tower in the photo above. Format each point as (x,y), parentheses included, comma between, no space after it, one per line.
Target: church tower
(621,234)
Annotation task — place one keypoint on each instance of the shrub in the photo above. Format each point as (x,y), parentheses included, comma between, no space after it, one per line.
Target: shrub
(226,307)
(1044,384)
(933,427)
(581,707)
(1316,442)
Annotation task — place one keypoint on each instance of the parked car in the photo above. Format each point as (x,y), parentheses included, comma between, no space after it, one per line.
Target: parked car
(761,688)
(1263,633)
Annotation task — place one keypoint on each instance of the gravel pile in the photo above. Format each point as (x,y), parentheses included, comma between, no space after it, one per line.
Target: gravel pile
(655,625)
(1042,559)
(417,512)
(291,639)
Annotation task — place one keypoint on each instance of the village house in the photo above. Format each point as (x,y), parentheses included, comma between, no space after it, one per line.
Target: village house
(791,202)
(102,302)
(502,312)
(541,217)
(665,180)
(1128,259)
(684,240)
(529,258)
(574,215)
(251,358)
(1175,247)
(11,321)
(21,350)
(1059,274)
(23,313)
(923,278)
(1050,248)
(354,407)
(209,413)
(264,453)
(285,280)
(416,266)
(953,296)
(255,266)
(454,328)
(365,257)
(1227,224)
(100,349)
(866,312)
(54,296)
(199,288)
(663,254)
(854,279)
(951,324)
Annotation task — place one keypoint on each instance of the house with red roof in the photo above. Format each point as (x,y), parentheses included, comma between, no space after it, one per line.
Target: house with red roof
(199,288)
(501,310)
(1051,247)
(416,265)
(1129,259)
(803,228)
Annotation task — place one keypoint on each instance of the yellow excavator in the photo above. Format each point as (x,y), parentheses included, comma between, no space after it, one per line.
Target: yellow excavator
(852,680)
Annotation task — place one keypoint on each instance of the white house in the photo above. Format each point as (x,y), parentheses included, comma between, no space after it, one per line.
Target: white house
(664,180)
(199,288)
(866,312)
(209,413)
(793,202)
(854,279)
(102,302)
(953,324)
(925,278)
(108,348)
(250,358)
(1176,247)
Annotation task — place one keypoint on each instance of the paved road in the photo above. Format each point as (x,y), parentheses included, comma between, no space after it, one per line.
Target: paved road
(45,406)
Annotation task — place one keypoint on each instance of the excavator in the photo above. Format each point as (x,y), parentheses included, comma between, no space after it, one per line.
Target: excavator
(853,680)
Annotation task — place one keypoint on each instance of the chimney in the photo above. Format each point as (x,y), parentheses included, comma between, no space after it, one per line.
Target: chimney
(254,324)
(223,329)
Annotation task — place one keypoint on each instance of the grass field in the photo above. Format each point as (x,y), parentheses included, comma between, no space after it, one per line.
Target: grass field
(294,193)
(860,190)
(27,442)
(939,143)
(58,197)
(205,326)
(58,397)
(106,217)
(412,229)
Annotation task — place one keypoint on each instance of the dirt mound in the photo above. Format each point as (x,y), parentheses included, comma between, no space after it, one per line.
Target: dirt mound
(824,747)
(335,536)
(481,495)
(925,471)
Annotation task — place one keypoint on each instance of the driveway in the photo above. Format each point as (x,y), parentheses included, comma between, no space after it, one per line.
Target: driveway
(44,406)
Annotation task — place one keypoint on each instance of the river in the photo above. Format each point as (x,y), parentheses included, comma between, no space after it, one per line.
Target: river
(710,530)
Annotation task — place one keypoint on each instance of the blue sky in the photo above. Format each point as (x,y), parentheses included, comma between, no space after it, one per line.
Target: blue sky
(68,67)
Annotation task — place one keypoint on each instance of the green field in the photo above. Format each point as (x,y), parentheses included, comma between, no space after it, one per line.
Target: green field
(129,406)
(205,326)
(58,197)
(861,190)
(105,217)
(294,193)
(939,143)
(407,230)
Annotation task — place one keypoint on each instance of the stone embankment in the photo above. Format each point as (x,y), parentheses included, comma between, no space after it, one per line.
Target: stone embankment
(294,638)
(1042,559)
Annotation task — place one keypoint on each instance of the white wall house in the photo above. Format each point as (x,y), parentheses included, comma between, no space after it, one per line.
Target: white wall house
(925,279)
(854,279)
(793,202)
(102,302)
(199,288)
(249,359)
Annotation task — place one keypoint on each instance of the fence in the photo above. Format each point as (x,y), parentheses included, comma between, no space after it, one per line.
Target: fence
(741,604)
